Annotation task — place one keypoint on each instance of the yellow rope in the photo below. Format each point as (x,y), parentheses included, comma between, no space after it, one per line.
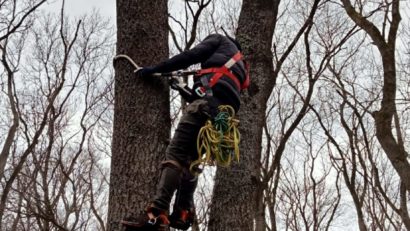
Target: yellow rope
(218,141)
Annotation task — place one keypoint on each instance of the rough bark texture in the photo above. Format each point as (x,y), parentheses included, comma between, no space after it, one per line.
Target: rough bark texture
(234,204)
(141,119)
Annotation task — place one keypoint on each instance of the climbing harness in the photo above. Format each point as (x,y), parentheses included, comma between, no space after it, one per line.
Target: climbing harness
(218,73)
(218,141)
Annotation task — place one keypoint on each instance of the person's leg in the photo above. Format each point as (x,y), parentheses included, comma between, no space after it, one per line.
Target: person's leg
(185,194)
(177,158)
(169,181)
(182,215)
(183,211)
(179,154)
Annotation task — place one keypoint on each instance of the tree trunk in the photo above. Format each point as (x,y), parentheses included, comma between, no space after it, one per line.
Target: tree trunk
(141,114)
(234,202)
(393,148)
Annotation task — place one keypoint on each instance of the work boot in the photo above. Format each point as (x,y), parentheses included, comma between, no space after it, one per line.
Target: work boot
(181,219)
(151,219)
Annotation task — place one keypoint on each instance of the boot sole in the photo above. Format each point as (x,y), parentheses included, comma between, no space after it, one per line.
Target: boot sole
(134,226)
(180,225)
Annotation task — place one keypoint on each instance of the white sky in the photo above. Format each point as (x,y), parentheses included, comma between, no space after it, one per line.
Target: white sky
(107,8)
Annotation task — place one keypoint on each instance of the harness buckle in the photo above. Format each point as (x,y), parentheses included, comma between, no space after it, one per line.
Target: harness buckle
(200,91)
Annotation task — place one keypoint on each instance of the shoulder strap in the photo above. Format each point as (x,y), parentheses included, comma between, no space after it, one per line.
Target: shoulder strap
(235,58)
(238,56)
(245,84)
(224,70)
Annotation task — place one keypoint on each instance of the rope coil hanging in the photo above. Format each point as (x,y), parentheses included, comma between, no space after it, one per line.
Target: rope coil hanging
(218,140)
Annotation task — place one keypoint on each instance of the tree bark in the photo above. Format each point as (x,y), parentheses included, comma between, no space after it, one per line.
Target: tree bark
(141,114)
(234,202)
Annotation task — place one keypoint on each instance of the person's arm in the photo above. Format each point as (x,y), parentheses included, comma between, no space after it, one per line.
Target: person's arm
(199,53)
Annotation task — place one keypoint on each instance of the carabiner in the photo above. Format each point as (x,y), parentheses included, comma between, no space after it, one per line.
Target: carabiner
(200,91)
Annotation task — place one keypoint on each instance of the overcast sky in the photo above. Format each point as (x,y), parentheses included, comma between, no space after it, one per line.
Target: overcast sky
(107,8)
(79,7)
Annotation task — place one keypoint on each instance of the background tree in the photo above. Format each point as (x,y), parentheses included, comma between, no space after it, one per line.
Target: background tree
(17,18)
(141,114)
(57,82)
(258,46)
(237,184)
(385,41)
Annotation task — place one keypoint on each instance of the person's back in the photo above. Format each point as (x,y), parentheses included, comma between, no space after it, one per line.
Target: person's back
(224,49)
(213,52)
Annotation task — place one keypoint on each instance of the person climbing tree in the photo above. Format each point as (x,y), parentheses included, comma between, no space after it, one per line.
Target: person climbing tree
(222,77)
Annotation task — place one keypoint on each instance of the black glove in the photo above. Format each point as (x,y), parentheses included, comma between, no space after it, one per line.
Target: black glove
(183,90)
(145,72)
(173,82)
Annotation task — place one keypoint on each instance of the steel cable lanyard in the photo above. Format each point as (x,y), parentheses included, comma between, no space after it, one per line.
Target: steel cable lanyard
(173,77)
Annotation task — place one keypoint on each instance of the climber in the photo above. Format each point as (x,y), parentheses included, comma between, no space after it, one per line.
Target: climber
(222,77)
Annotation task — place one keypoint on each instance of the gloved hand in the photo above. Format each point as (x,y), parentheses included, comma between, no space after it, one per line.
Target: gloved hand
(173,82)
(145,72)
(183,89)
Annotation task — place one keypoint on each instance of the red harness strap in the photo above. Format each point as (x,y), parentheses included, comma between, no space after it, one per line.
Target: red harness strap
(247,79)
(219,72)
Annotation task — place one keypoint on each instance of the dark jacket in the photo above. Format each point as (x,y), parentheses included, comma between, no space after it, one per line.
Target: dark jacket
(214,51)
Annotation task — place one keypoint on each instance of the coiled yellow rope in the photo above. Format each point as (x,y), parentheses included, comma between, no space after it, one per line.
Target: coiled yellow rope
(218,141)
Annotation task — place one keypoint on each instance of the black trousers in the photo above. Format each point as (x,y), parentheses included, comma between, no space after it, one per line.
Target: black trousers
(183,150)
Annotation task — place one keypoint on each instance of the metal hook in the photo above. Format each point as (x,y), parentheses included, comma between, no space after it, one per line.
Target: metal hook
(137,68)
